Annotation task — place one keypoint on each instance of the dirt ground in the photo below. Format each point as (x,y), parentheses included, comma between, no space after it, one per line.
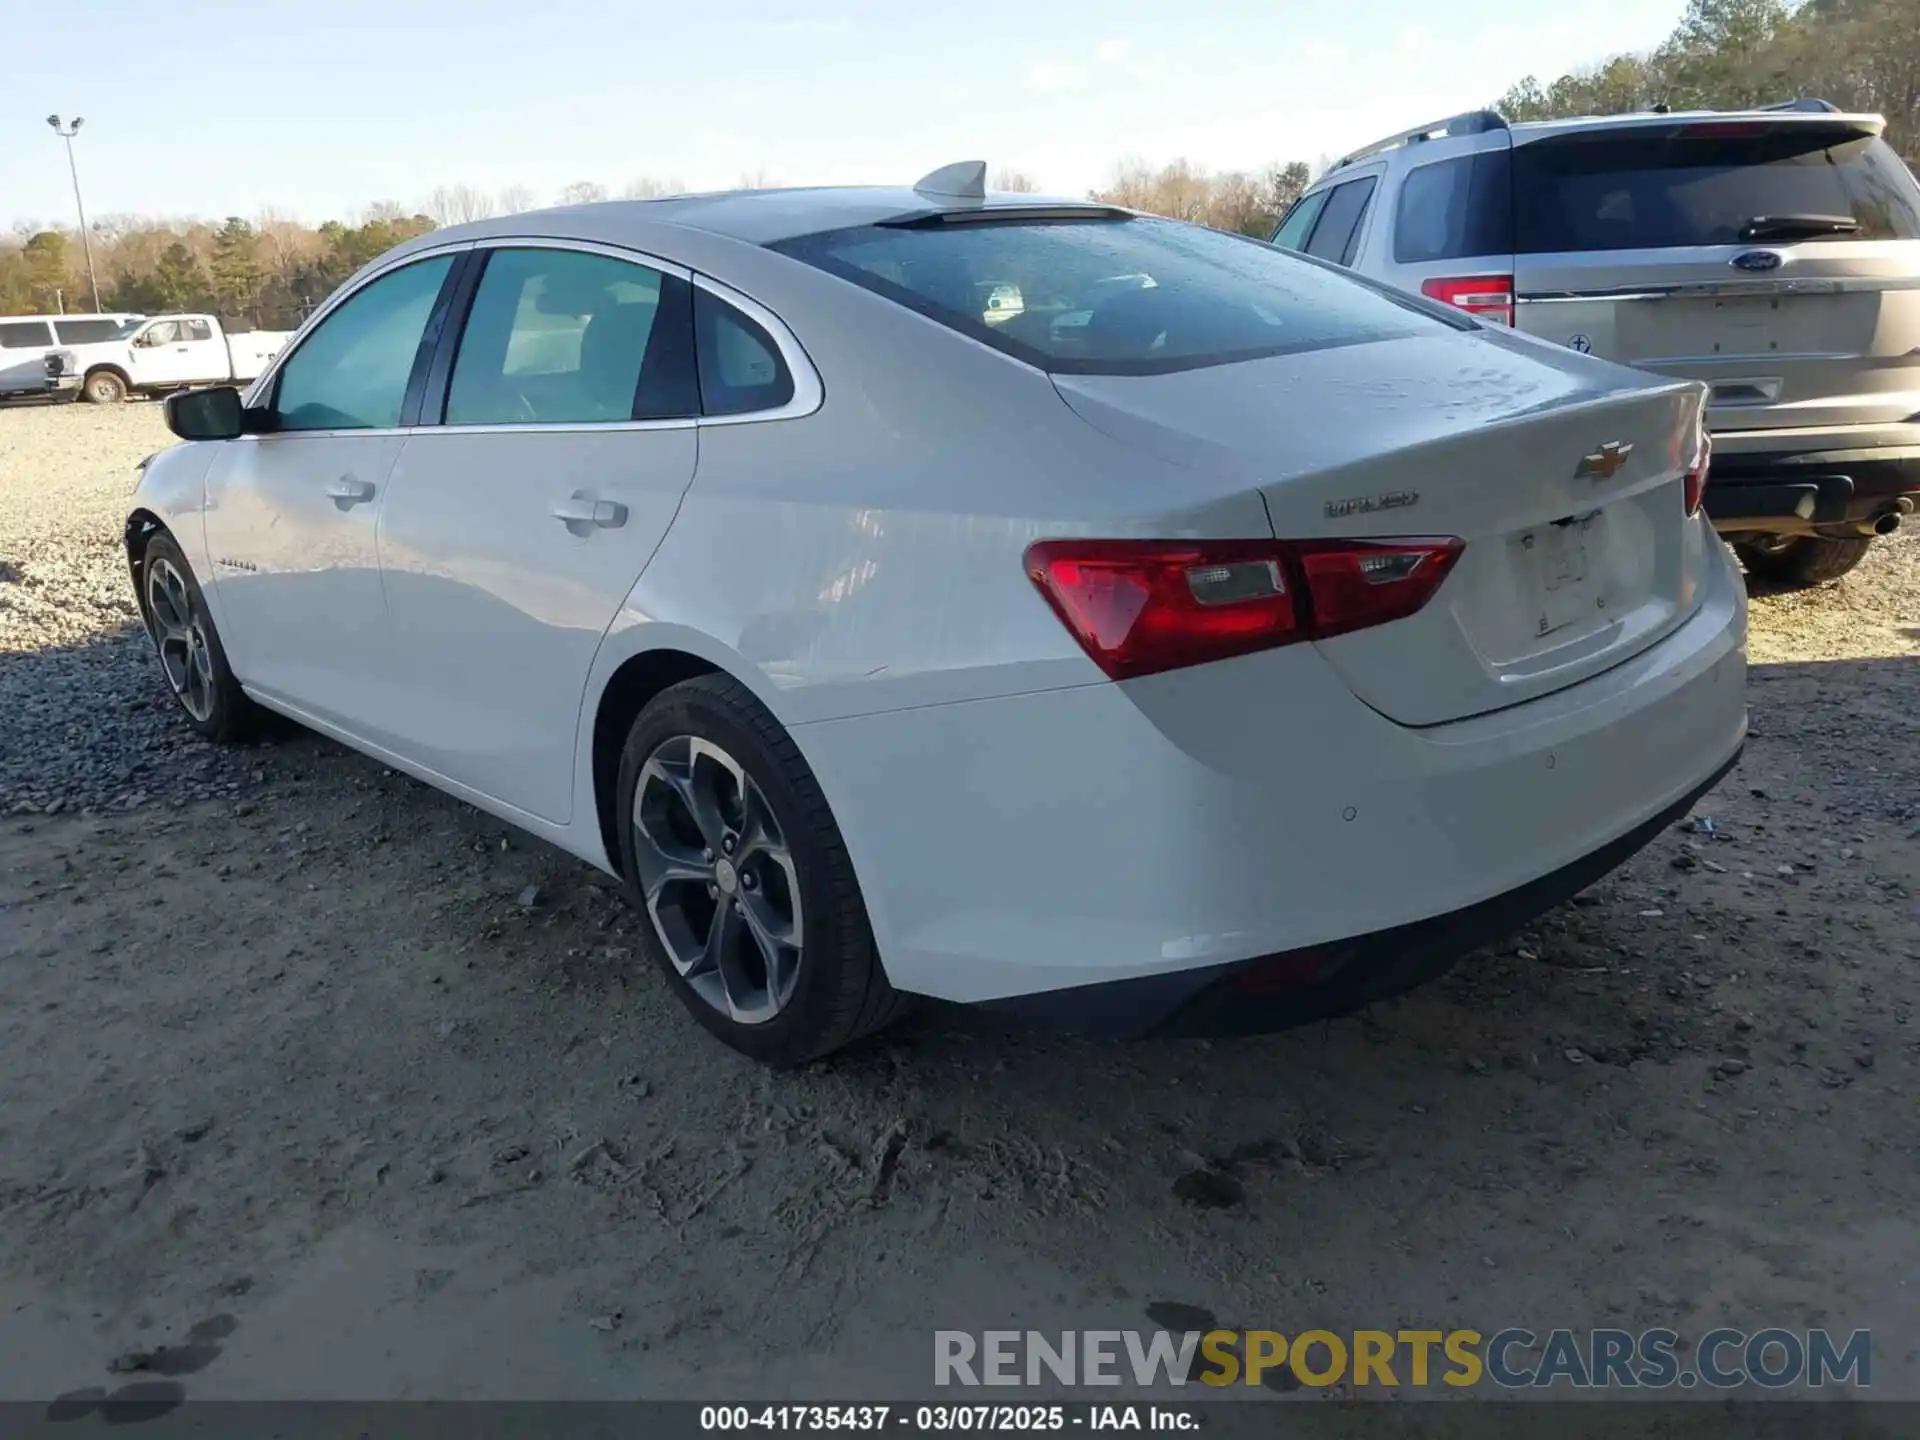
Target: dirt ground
(298,1099)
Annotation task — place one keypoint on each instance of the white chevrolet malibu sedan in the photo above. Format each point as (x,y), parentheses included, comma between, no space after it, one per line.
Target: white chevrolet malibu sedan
(920,592)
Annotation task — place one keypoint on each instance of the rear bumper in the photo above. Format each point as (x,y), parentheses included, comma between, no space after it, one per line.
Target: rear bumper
(1810,483)
(1043,844)
(1277,992)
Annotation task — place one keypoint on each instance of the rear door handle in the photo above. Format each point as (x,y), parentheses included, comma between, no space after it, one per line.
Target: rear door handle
(347,492)
(579,513)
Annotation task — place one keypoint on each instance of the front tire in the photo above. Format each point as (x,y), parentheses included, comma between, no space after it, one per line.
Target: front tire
(103,387)
(188,646)
(1804,560)
(752,910)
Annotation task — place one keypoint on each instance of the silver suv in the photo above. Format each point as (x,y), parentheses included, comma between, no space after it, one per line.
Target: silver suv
(1772,253)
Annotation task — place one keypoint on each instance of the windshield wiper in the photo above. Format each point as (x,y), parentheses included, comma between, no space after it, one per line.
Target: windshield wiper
(1791,227)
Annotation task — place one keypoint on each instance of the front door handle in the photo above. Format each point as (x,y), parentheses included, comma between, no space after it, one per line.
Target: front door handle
(346,492)
(579,513)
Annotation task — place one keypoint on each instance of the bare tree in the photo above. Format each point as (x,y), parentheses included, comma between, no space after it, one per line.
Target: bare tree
(645,187)
(458,204)
(516,200)
(583,192)
(758,178)
(387,210)
(1016,182)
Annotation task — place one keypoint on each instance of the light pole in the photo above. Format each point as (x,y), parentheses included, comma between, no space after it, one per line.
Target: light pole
(66,133)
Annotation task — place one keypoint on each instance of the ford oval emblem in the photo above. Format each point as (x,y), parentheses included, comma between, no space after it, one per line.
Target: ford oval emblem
(1756,260)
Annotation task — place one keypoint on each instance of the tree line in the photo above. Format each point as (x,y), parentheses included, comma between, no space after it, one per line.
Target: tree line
(270,271)
(1863,55)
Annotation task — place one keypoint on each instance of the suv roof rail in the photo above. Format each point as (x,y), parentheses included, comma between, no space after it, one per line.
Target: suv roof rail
(1818,107)
(1470,122)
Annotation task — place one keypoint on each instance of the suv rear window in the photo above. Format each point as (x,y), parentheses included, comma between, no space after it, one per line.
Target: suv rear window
(1131,296)
(1708,185)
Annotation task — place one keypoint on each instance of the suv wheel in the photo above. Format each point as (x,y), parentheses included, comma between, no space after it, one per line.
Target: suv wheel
(1802,560)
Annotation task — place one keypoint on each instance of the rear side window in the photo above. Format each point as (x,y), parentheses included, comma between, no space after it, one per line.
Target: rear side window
(1136,296)
(196,330)
(24,335)
(741,369)
(1728,183)
(563,337)
(87,332)
(1337,235)
(1456,208)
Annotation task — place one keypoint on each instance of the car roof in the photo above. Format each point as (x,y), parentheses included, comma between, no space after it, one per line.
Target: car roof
(758,217)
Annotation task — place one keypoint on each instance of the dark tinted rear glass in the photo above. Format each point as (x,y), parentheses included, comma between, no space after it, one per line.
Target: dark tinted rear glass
(87,332)
(24,334)
(1456,208)
(1626,191)
(1334,236)
(1112,297)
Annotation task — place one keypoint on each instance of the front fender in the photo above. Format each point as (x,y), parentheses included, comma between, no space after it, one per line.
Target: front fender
(172,491)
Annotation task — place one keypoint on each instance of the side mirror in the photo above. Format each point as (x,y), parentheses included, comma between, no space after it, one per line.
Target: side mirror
(144,339)
(211,414)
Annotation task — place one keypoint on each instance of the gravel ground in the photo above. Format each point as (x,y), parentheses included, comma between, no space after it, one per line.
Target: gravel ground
(297,1098)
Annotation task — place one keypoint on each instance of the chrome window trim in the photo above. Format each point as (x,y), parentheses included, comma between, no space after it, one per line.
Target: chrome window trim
(809,394)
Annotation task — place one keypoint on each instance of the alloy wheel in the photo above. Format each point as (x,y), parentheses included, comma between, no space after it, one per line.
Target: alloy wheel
(718,878)
(181,639)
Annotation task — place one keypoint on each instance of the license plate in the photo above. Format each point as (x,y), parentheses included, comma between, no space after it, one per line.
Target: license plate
(1557,556)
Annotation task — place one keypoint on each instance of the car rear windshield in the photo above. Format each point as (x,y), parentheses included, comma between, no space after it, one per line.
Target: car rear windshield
(1102,296)
(1725,183)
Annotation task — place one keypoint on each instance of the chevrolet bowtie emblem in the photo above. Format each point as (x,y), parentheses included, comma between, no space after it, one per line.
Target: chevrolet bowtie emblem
(1604,463)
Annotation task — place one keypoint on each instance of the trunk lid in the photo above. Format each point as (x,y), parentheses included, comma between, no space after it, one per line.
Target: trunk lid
(1482,436)
(1776,259)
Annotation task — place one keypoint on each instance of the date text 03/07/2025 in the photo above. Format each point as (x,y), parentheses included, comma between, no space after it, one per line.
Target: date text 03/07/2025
(940,1419)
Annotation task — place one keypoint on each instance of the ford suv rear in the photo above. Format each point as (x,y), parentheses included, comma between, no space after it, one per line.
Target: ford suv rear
(1773,254)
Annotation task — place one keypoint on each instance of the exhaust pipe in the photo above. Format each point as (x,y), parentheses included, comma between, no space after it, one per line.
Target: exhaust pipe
(1887,520)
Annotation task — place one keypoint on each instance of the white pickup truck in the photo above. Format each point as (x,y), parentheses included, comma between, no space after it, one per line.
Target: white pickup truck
(173,352)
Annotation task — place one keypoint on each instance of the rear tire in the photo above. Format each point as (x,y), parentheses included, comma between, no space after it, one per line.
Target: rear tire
(1804,560)
(735,858)
(192,659)
(103,387)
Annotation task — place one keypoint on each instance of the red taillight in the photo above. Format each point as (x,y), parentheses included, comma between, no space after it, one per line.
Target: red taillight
(1696,482)
(1140,606)
(1488,296)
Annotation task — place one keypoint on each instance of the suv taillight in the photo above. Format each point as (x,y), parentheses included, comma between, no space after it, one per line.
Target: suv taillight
(1696,479)
(1141,606)
(1488,296)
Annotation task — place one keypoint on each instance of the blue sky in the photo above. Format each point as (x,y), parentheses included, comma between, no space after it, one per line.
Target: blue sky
(218,107)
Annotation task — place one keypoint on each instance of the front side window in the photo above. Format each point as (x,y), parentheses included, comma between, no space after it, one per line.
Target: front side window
(24,335)
(1134,296)
(562,337)
(161,332)
(1292,234)
(351,373)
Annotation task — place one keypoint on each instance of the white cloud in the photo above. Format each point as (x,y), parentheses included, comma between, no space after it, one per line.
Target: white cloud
(1324,52)
(1416,37)
(1112,52)
(1054,77)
